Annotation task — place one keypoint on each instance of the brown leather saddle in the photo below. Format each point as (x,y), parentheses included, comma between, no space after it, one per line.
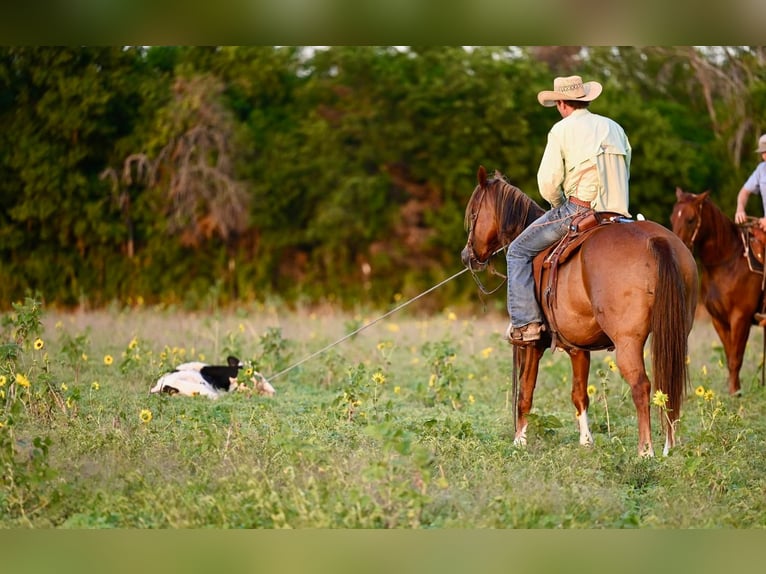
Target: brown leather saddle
(546,264)
(754,244)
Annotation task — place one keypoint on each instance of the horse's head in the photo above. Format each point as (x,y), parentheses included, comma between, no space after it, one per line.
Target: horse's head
(481,224)
(686,218)
(496,213)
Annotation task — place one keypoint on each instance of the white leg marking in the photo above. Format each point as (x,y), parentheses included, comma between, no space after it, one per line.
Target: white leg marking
(586,439)
(521,437)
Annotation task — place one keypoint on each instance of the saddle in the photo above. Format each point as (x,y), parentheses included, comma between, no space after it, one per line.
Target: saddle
(754,243)
(546,264)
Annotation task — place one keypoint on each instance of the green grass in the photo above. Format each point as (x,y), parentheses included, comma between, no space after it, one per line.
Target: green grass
(406,425)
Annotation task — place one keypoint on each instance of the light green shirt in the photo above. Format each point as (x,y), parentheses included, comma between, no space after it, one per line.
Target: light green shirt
(588,157)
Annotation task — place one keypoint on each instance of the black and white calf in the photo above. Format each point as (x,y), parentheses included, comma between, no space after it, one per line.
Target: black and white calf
(196,378)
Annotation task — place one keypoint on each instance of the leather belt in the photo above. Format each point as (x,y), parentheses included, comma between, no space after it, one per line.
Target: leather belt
(579,202)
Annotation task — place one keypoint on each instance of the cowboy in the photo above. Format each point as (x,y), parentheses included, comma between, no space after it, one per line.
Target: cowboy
(755,185)
(585,166)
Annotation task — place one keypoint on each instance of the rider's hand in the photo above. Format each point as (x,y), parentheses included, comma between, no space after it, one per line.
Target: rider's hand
(740,216)
(762,223)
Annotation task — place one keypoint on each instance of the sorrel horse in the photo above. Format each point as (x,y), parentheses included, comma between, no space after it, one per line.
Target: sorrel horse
(626,280)
(731,292)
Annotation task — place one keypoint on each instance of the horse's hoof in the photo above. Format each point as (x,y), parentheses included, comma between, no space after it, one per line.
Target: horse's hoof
(520,441)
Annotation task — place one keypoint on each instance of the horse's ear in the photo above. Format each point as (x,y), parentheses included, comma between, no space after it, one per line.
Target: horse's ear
(703,196)
(482,176)
(679,193)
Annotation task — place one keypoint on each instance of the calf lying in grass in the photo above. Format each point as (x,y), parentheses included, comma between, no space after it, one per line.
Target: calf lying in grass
(212,381)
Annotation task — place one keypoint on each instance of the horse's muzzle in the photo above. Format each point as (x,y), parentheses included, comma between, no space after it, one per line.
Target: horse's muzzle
(468,257)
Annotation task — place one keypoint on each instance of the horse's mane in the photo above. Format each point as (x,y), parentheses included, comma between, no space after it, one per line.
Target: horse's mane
(720,228)
(514,210)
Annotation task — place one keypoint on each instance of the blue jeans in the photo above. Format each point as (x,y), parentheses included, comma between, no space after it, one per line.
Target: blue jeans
(545,231)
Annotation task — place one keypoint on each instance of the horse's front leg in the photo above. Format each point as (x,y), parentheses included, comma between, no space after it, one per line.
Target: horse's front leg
(580,371)
(528,363)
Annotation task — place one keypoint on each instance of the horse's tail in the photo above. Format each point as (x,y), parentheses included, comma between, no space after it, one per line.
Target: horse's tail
(670,328)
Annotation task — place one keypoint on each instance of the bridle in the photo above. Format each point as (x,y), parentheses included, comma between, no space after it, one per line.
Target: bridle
(699,224)
(474,259)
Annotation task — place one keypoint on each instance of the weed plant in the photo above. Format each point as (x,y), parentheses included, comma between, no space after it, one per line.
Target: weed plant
(408,424)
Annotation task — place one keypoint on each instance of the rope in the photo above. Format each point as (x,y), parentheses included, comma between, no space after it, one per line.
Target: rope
(366,325)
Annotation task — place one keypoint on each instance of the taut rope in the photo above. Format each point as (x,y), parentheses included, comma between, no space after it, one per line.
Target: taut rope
(366,325)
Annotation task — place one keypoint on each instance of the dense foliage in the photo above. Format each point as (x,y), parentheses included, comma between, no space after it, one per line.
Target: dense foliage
(189,174)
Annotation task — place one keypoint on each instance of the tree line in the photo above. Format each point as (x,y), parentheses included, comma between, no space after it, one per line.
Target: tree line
(339,174)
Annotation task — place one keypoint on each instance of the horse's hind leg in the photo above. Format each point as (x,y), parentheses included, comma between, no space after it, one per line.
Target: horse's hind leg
(630,361)
(580,371)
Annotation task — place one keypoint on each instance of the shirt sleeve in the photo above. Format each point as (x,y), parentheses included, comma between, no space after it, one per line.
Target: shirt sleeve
(753,183)
(550,174)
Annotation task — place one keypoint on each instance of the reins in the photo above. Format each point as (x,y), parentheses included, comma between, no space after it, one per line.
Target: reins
(492,271)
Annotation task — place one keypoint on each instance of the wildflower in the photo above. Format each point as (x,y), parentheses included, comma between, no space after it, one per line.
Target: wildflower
(660,399)
(378,378)
(64,387)
(108,359)
(393,327)
(451,316)
(432,380)
(397,390)
(145,415)
(700,391)
(704,370)
(709,395)
(69,402)
(688,360)
(22,380)
(3,380)
(384,345)
(95,386)
(84,358)
(133,343)
(471,399)
(591,390)
(612,366)
(486,352)
(39,344)
(249,372)
(241,328)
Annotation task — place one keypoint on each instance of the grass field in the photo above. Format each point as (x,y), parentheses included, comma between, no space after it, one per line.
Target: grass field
(406,425)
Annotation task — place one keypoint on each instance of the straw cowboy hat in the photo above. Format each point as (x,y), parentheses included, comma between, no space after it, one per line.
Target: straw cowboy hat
(570,88)
(761,144)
